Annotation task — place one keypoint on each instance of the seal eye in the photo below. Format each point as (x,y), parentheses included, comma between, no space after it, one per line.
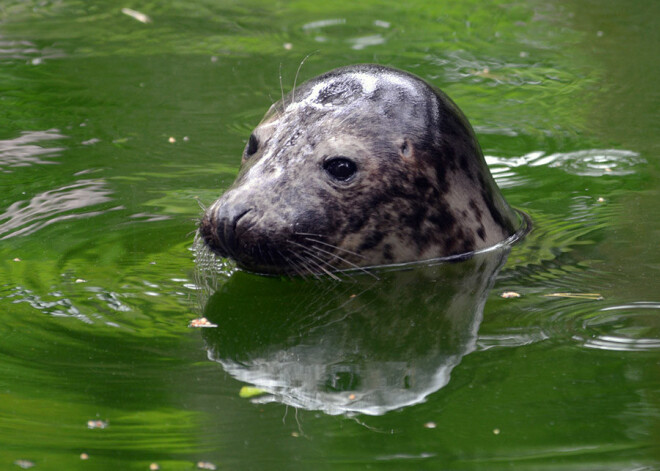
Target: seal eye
(252,146)
(340,168)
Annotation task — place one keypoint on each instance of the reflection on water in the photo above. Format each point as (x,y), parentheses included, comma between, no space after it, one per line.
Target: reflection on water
(27,150)
(366,346)
(586,163)
(630,327)
(26,217)
(569,382)
(11,50)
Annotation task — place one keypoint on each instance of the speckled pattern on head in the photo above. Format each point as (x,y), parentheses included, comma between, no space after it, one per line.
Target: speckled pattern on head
(365,165)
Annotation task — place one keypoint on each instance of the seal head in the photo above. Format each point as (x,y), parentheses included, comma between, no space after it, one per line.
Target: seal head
(365,165)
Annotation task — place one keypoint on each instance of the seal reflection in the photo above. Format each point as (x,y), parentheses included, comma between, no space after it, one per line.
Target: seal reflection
(359,346)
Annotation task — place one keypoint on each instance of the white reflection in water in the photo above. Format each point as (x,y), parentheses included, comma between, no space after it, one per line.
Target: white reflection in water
(25,150)
(26,217)
(587,163)
(12,50)
(629,327)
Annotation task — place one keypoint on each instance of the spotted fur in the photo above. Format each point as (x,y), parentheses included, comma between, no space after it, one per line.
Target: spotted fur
(422,189)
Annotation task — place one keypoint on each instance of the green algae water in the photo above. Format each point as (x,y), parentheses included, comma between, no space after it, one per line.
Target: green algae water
(118,121)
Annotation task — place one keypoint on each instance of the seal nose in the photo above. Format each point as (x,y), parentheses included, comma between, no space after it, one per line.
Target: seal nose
(220,228)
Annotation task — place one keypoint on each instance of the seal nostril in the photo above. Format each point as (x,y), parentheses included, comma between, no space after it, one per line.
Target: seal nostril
(237,218)
(228,228)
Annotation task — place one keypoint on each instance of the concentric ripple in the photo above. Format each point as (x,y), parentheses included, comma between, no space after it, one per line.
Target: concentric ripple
(628,327)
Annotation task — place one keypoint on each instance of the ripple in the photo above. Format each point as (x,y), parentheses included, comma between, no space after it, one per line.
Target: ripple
(12,50)
(55,305)
(366,41)
(587,163)
(25,150)
(323,23)
(629,327)
(26,217)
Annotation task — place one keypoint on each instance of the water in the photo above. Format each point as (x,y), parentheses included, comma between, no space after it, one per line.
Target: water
(113,130)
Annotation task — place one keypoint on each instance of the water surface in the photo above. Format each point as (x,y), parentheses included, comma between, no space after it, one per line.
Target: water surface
(115,127)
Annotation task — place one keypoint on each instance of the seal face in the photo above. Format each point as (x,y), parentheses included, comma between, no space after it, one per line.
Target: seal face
(364,165)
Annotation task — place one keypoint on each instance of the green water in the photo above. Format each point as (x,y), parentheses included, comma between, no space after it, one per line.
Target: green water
(98,210)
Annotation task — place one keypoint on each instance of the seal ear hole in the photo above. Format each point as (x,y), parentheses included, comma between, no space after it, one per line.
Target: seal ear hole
(406,149)
(252,146)
(341,169)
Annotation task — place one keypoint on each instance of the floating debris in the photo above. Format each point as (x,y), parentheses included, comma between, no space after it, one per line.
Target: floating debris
(510,294)
(17,259)
(352,397)
(430,425)
(592,296)
(247,392)
(205,465)
(84,456)
(25,464)
(80,280)
(201,322)
(172,140)
(601,200)
(288,46)
(136,15)
(92,424)
(496,431)
(154,467)
(295,434)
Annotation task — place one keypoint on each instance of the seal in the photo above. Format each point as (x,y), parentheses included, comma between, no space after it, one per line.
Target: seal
(364,165)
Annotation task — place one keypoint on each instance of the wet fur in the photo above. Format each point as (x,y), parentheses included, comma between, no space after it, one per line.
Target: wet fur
(422,190)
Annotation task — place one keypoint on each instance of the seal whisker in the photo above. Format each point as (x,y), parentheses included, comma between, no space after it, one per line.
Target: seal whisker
(281,87)
(310,252)
(309,234)
(334,269)
(304,262)
(318,261)
(355,266)
(295,79)
(200,204)
(293,265)
(348,262)
(335,247)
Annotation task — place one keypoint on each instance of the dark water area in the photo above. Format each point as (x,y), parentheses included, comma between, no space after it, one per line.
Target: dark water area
(115,128)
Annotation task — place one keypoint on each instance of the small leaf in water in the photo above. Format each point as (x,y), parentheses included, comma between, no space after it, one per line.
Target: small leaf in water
(25,464)
(205,465)
(92,424)
(201,322)
(250,391)
(136,15)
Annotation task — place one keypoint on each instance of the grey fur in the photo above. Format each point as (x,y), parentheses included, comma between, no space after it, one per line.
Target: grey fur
(422,189)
